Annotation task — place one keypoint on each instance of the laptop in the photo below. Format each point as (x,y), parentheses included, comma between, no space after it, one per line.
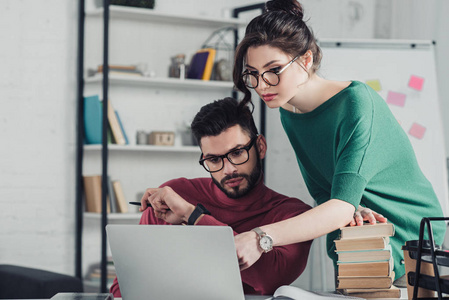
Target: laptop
(176,262)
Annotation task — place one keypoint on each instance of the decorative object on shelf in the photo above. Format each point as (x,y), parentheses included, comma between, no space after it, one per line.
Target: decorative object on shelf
(141,137)
(223,70)
(202,64)
(187,138)
(133,3)
(161,138)
(177,68)
(145,70)
(222,41)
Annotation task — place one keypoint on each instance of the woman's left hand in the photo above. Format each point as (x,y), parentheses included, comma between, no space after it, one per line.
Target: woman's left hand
(366,214)
(248,250)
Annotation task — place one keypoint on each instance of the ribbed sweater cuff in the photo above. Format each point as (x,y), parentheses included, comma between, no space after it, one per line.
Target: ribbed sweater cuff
(348,187)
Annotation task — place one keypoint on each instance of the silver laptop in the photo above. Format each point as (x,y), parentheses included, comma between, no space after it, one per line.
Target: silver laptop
(175,262)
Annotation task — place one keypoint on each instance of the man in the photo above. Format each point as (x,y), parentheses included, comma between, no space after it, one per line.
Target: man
(234,196)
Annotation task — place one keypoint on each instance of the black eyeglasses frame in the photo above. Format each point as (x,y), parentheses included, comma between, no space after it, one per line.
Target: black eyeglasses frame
(247,148)
(268,71)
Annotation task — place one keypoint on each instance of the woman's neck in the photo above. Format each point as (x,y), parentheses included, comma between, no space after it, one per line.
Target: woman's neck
(313,93)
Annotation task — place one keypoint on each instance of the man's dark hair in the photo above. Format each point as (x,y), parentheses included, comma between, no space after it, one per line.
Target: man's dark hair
(216,117)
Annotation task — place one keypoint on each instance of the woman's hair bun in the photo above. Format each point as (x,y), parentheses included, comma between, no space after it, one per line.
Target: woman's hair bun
(292,7)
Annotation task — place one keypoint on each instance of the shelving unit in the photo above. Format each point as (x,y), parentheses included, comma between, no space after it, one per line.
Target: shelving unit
(163,82)
(152,91)
(145,148)
(138,14)
(114,216)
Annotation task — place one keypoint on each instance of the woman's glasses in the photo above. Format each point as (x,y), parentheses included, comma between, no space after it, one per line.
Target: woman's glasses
(270,77)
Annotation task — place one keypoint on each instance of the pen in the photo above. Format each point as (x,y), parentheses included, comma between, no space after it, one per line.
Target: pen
(138,203)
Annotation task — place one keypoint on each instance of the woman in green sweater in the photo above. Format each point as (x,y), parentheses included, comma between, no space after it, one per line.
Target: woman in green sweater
(351,150)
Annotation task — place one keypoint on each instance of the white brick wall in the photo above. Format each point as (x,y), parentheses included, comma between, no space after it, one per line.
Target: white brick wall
(37,117)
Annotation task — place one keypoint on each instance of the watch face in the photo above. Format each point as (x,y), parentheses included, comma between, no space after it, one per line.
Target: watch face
(266,243)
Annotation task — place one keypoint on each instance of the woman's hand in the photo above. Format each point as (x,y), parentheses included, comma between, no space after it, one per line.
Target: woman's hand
(366,214)
(248,249)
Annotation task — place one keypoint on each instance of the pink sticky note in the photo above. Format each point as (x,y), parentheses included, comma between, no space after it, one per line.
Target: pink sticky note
(396,98)
(417,131)
(416,82)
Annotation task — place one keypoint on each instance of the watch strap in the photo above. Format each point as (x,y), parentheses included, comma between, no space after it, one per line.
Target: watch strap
(197,212)
(259,232)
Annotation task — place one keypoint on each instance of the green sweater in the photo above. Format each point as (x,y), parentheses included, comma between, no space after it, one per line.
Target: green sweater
(352,148)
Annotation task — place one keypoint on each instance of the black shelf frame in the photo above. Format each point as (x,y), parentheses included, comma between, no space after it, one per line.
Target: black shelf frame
(80,144)
(104,153)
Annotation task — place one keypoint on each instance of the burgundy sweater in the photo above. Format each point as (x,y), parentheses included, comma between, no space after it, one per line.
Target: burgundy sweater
(261,206)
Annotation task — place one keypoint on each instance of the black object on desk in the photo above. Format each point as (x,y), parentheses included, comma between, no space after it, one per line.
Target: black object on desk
(426,251)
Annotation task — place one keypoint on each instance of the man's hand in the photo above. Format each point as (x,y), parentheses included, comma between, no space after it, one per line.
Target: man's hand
(366,214)
(167,205)
(248,249)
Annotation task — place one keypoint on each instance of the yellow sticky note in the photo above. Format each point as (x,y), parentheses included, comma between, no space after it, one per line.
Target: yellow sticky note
(374,84)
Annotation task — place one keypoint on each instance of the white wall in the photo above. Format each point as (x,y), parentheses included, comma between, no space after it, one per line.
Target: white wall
(37,130)
(37,112)
(418,19)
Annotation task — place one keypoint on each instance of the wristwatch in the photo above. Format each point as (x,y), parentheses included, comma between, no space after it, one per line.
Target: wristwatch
(197,212)
(265,241)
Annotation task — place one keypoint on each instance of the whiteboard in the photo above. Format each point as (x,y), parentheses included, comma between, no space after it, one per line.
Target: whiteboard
(404,74)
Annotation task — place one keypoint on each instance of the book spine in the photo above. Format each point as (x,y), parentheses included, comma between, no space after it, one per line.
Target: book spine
(93,120)
(111,195)
(121,127)
(209,64)
(92,191)
(120,196)
(115,126)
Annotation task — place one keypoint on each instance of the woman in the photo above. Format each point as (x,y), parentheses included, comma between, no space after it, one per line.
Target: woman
(351,150)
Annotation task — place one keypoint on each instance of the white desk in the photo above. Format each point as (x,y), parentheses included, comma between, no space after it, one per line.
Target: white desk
(258,297)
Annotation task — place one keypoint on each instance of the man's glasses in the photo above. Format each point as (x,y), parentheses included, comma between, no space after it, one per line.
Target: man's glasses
(236,157)
(251,79)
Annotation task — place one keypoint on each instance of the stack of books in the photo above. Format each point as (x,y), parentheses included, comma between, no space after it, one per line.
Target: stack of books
(365,262)
(93,275)
(93,122)
(116,202)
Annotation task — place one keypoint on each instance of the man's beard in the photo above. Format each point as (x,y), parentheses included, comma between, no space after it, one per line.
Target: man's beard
(252,180)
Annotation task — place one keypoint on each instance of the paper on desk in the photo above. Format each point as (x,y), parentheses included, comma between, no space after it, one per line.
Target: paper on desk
(295,293)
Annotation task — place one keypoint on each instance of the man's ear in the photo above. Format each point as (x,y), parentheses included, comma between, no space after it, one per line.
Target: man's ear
(261,146)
